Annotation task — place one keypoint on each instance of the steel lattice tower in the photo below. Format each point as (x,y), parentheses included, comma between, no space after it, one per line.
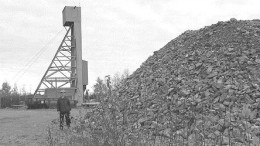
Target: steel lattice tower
(67,69)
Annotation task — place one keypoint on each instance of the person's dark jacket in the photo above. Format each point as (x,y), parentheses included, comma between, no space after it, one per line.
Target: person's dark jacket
(63,105)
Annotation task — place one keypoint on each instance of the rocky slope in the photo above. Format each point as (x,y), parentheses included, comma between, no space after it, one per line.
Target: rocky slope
(202,86)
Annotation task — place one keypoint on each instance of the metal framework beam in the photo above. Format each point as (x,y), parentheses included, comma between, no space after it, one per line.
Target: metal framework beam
(59,72)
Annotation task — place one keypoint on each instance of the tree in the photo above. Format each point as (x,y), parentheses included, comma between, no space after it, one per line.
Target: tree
(15,90)
(6,89)
(100,88)
(118,79)
(125,74)
(23,91)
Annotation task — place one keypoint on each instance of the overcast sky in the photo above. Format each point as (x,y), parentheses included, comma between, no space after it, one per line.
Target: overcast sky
(116,34)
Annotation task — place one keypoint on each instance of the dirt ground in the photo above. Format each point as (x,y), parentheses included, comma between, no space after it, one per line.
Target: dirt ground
(26,127)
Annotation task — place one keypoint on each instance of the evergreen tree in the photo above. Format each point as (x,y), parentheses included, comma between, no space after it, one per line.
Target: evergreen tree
(6,89)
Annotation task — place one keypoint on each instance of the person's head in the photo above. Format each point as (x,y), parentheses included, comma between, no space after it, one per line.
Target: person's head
(62,92)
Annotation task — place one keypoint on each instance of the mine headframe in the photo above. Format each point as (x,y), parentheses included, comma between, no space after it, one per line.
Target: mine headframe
(67,71)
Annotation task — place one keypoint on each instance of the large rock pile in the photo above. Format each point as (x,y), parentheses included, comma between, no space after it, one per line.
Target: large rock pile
(203,85)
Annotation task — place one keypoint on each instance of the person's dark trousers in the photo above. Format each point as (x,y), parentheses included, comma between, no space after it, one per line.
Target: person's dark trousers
(67,117)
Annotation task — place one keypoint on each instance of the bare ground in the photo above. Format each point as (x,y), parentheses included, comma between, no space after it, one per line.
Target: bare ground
(25,127)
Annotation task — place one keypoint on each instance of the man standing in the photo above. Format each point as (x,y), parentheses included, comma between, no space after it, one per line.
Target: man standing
(63,106)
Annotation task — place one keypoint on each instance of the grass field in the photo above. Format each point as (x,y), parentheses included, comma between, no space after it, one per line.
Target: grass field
(26,127)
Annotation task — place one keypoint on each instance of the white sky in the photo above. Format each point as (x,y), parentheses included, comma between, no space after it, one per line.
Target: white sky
(116,34)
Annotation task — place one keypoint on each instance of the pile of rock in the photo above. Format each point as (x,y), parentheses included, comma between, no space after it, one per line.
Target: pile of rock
(202,85)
